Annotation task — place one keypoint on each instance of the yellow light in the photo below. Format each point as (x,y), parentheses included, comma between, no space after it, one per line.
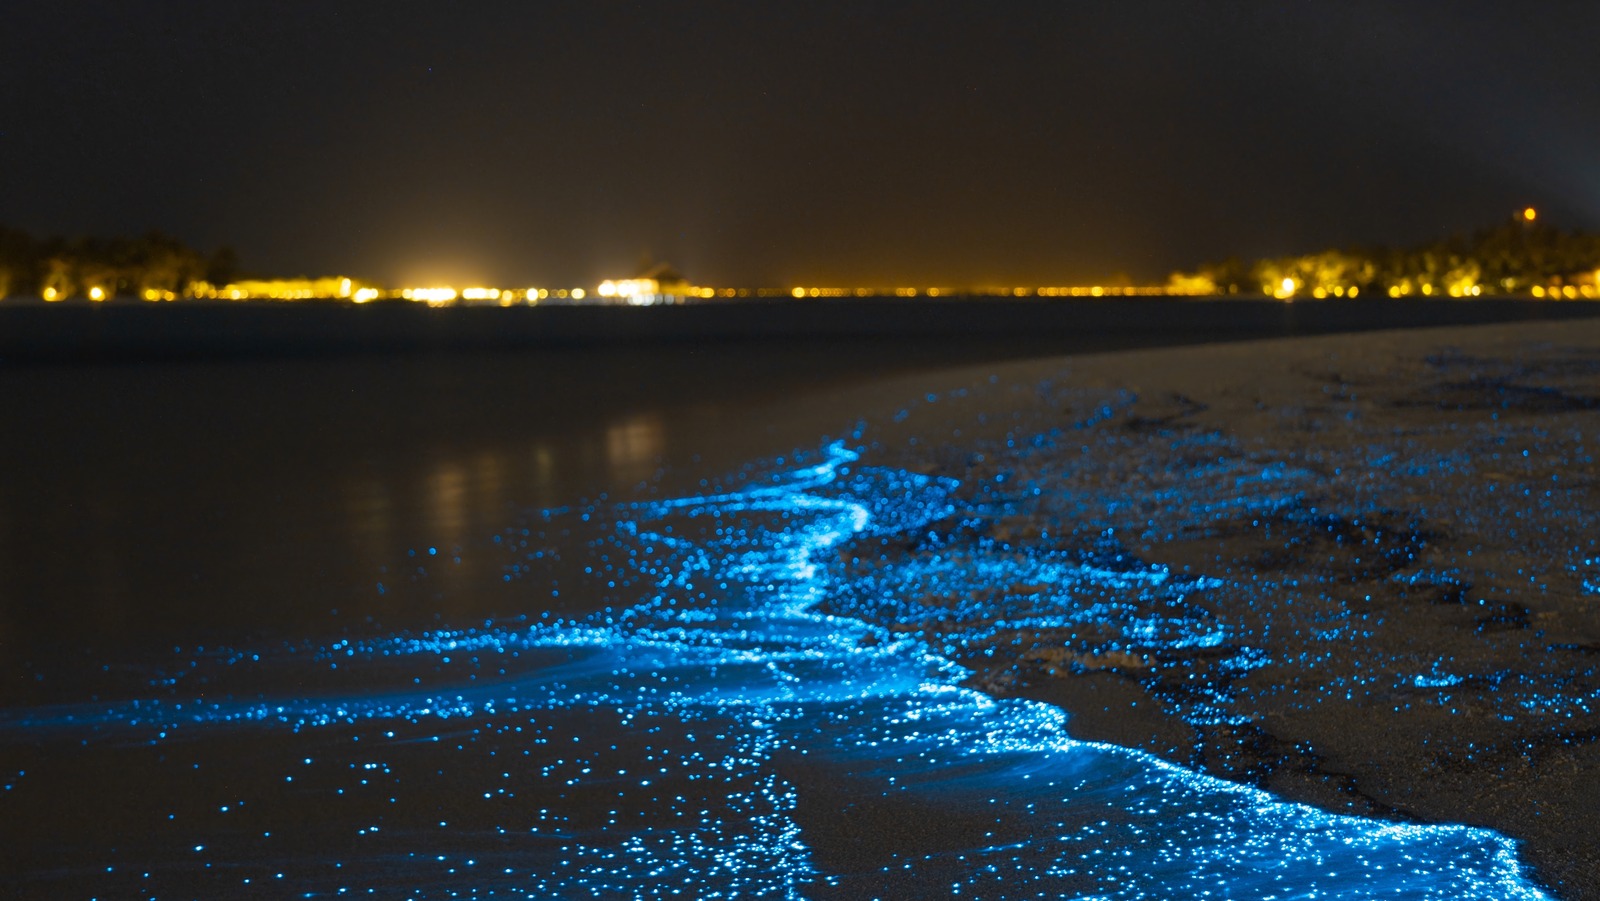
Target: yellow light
(1354,291)
(430,296)
(577,293)
(344,287)
(1570,292)
(1530,214)
(52,294)
(1538,291)
(1394,290)
(1285,289)
(363,295)
(608,288)
(532,295)
(1097,291)
(798,292)
(1319,292)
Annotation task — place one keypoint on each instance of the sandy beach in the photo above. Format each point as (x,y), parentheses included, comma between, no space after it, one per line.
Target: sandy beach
(896,628)
(1387,543)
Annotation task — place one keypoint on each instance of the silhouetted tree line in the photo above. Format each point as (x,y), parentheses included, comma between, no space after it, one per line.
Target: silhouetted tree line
(117,266)
(1510,258)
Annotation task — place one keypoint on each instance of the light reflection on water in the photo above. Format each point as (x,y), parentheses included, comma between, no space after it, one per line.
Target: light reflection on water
(634,446)
(699,731)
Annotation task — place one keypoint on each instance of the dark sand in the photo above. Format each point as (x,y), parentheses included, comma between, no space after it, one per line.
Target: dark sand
(1402,532)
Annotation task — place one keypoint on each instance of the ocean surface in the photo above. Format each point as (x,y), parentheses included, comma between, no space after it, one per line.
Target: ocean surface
(486,627)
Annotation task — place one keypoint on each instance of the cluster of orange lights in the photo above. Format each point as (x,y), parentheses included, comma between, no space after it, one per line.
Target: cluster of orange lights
(801,292)
(648,291)
(1567,292)
(1428,289)
(444,295)
(1289,289)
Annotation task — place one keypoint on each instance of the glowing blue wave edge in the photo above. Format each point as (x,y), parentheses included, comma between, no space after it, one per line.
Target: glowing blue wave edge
(736,704)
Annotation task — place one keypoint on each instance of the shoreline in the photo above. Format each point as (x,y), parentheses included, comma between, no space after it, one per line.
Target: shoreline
(1334,589)
(349,463)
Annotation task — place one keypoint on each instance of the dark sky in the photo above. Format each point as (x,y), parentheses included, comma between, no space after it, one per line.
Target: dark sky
(767,143)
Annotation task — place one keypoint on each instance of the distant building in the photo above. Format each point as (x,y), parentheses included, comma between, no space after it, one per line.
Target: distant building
(656,284)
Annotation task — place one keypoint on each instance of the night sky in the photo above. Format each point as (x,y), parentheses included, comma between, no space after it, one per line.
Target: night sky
(765,143)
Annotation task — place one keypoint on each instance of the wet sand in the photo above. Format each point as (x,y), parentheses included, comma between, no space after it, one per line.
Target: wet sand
(1386,552)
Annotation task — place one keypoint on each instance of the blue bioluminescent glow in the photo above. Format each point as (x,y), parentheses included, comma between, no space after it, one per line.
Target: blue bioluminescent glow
(719,725)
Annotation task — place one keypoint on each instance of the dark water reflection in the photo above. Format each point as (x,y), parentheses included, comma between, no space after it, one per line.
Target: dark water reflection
(157,506)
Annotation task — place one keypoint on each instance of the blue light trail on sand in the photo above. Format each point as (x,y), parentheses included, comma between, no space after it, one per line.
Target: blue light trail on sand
(706,732)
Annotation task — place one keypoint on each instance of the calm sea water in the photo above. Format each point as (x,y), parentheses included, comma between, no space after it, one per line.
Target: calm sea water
(494,628)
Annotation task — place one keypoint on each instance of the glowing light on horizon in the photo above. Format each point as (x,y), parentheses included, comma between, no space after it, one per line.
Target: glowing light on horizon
(633,290)
(1529,214)
(1462,282)
(431,296)
(644,292)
